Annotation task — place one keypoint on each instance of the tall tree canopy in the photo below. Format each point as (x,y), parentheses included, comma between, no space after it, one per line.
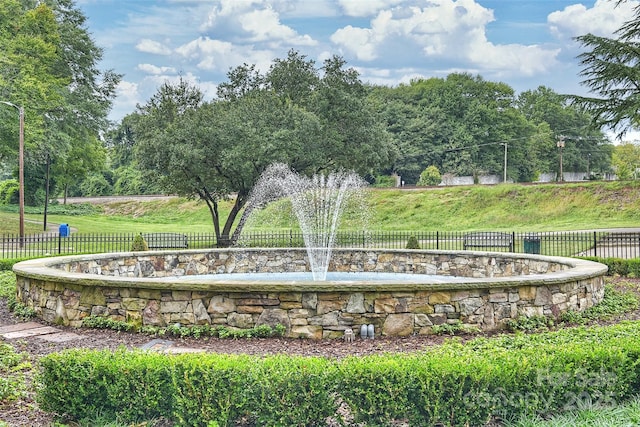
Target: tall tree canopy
(313,119)
(610,70)
(49,65)
(586,148)
(626,161)
(460,124)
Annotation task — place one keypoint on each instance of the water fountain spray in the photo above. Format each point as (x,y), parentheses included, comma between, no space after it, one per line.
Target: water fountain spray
(318,203)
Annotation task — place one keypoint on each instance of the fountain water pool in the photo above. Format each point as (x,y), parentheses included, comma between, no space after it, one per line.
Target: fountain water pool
(399,292)
(483,289)
(331,276)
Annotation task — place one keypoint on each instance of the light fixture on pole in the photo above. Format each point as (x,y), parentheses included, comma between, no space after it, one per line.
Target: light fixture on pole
(20,168)
(560,145)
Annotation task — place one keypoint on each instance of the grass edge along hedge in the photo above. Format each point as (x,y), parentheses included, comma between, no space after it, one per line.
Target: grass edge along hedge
(455,384)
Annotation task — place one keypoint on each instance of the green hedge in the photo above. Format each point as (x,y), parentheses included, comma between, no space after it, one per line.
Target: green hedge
(620,266)
(6,264)
(455,384)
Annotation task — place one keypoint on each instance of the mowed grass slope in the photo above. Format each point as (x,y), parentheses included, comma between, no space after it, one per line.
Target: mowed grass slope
(510,207)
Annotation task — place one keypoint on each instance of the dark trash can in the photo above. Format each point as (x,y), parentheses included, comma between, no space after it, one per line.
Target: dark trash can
(532,244)
(64,230)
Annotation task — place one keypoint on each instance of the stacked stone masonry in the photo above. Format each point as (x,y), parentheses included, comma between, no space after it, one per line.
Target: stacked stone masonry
(70,289)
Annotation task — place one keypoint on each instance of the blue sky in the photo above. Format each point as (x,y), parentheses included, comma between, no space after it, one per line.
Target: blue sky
(524,43)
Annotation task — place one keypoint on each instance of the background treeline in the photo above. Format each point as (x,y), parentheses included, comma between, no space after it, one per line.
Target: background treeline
(458,124)
(314,117)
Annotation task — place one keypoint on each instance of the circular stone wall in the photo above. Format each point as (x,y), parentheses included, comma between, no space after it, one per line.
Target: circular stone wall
(139,287)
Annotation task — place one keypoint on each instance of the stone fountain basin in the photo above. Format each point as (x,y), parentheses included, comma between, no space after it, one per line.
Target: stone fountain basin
(484,289)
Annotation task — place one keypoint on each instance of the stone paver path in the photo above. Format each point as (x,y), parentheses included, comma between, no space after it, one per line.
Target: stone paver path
(35,329)
(53,334)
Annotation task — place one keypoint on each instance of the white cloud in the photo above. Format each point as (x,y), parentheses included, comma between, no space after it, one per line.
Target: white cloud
(154,69)
(514,59)
(216,55)
(448,31)
(306,9)
(251,21)
(364,8)
(152,46)
(264,25)
(360,42)
(603,19)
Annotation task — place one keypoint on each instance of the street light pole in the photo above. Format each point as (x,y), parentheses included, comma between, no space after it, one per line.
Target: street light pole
(504,180)
(560,147)
(20,168)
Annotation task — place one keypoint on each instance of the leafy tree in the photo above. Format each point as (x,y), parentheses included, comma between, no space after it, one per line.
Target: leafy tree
(610,70)
(128,176)
(78,163)
(586,148)
(222,148)
(49,66)
(413,127)
(212,150)
(294,79)
(626,161)
(9,192)
(95,184)
(430,176)
(459,124)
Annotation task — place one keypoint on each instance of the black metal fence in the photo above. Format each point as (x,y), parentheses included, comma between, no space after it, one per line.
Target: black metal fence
(563,243)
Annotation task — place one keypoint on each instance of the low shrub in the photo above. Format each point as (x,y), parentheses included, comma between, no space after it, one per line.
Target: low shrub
(8,291)
(412,243)
(177,330)
(6,264)
(132,385)
(384,181)
(456,384)
(457,327)
(19,310)
(7,284)
(139,244)
(101,322)
(614,303)
(430,176)
(530,324)
(12,366)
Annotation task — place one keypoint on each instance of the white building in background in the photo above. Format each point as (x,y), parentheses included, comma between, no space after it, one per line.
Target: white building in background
(451,180)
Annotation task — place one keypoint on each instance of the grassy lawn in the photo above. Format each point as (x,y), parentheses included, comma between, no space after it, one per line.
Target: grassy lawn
(511,207)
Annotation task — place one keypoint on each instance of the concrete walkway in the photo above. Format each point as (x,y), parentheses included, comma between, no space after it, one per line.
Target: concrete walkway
(35,329)
(53,334)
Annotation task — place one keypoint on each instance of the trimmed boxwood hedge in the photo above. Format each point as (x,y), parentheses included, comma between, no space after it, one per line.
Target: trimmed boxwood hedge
(619,266)
(454,384)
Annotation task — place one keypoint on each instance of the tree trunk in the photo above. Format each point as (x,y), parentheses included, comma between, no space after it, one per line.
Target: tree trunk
(226,231)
